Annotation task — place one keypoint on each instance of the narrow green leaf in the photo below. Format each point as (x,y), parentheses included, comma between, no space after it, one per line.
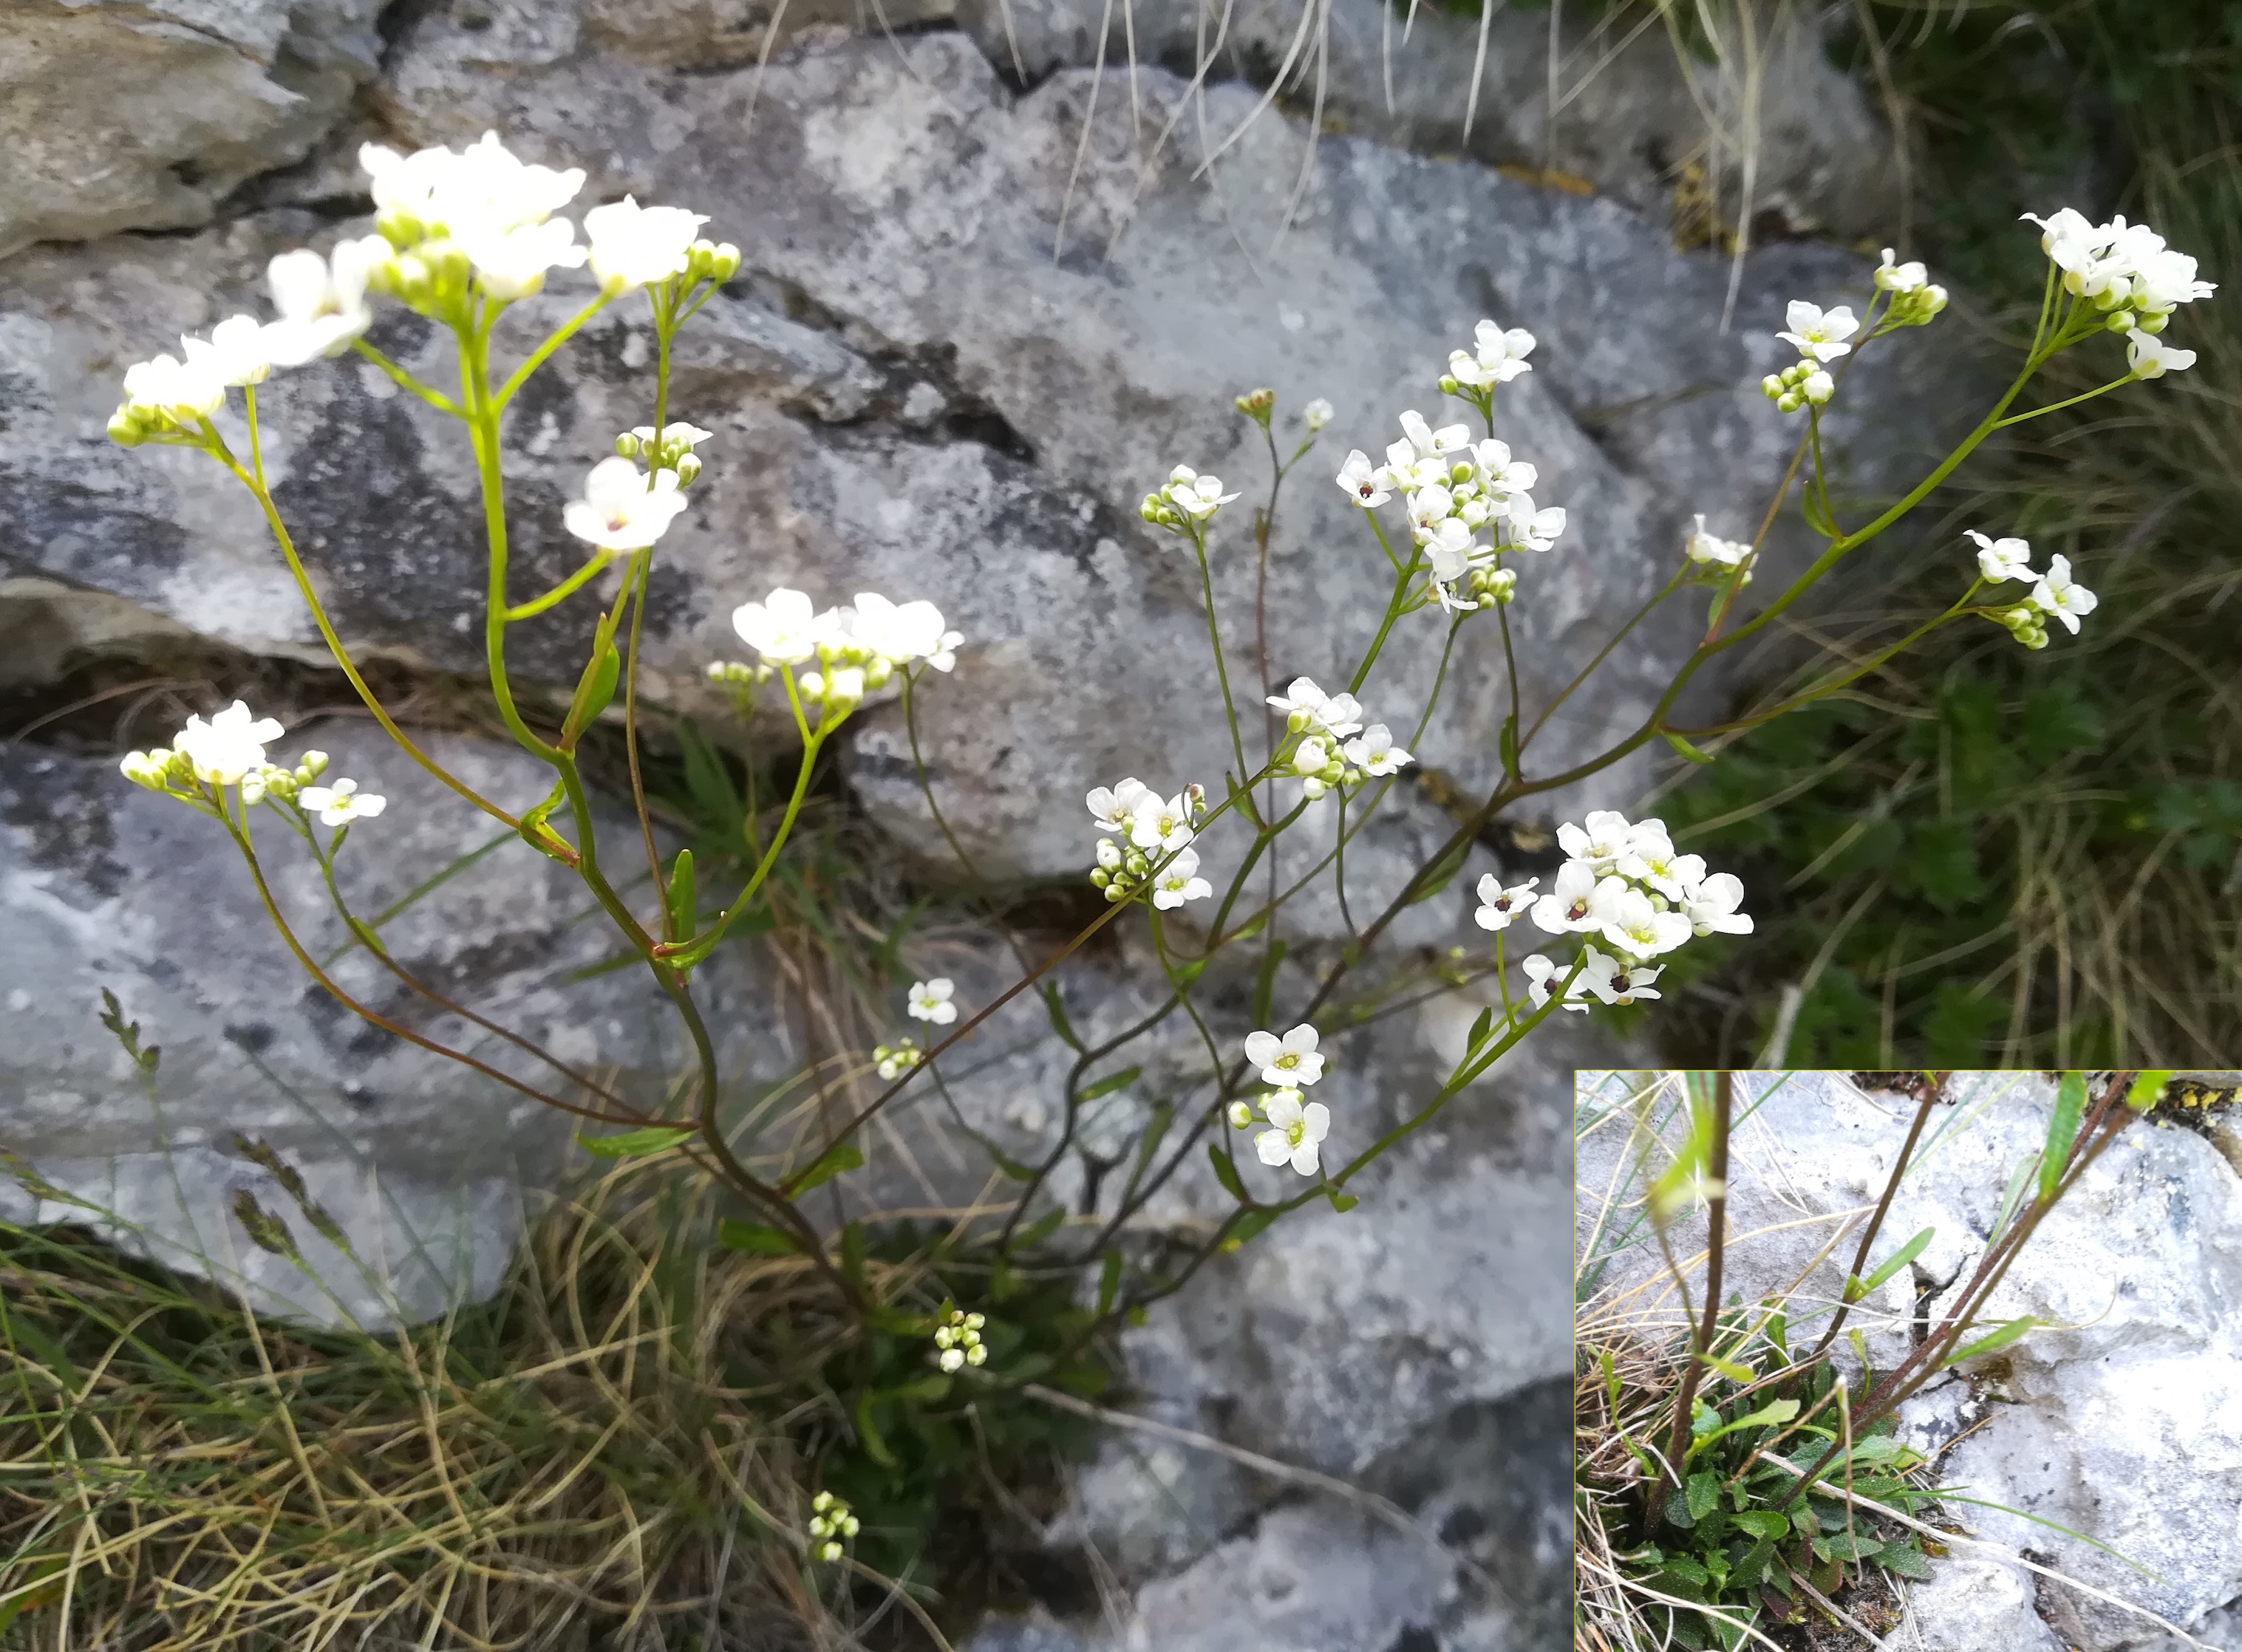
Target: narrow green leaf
(636,1144)
(933,1387)
(735,1235)
(1340,1202)
(852,1252)
(1156,1130)
(1480,1028)
(2062,1131)
(874,1443)
(1110,1083)
(1109,1282)
(2146,1090)
(595,689)
(1683,749)
(1041,1229)
(1249,1225)
(1727,1368)
(1225,1172)
(1055,1008)
(682,900)
(1507,744)
(837,1159)
(1264,982)
(1900,1259)
(1999,1339)
(1186,975)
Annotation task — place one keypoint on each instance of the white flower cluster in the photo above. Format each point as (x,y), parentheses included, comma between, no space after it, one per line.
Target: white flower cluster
(1454,489)
(1185,501)
(959,1339)
(1297,1127)
(453,228)
(1323,756)
(228,750)
(2055,594)
(1500,357)
(829,1522)
(1157,832)
(1821,337)
(933,1001)
(1622,883)
(856,650)
(2131,277)
(1915,297)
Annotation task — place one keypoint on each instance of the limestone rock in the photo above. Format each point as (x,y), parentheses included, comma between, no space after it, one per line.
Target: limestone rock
(120,116)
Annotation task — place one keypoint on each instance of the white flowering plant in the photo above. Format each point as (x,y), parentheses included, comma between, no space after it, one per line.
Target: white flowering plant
(461,236)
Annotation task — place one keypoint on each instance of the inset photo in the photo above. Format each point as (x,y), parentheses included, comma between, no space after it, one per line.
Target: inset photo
(1925,1361)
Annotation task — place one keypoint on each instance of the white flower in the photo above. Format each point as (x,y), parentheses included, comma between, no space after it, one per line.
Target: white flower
(784,628)
(1179,881)
(1711,906)
(227,747)
(1429,507)
(1365,484)
(2069,231)
(341,804)
(1570,905)
(483,189)
(1616,982)
(1502,352)
(1316,415)
(1464,367)
(2149,356)
(1115,807)
(511,263)
(899,635)
(1162,825)
(1820,334)
(2002,559)
(1632,925)
(1451,555)
(1305,706)
(1543,972)
(2055,593)
(1428,442)
(236,352)
(931,1001)
(321,301)
(1498,473)
(1197,496)
(634,246)
(183,391)
(1299,1133)
(1531,529)
(623,509)
(1602,839)
(1711,548)
(1289,1060)
(1499,908)
(1652,861)
(2163,279)
(1900,278)
(1375,753)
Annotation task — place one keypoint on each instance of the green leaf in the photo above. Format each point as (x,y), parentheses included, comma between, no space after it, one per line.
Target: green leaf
(1110,1083)
(1041,1229)
(1225,1172)
(1055,1007)
(1704,1493)
(636,1144)
(852,1252)
(2062,1131)
(735,1235)
(1480,1028)
(1249,1225)
(2146,1088)
(1905,1559)
(839,1159)
(1156,1130)
(1507,744)
(1109,1282)
(1727,1368)
(595,689)
(1264,982)
(1185,975)
(868,1432)
(1340,1202)
(1762,1523)
(1900,1259)
(933,1387)
(2000,1338)
(681,899)
(1683,749)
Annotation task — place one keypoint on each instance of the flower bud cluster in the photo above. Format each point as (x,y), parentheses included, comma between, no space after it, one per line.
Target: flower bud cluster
(1915,297)
(892,1061)
(1797,385)
(1185,501)
(858,650)
(830,1523)
(1455,489)
(959,1338)
(672,450)
(1297,1127)
(227,749)
(1155,848)
(1622,883)
(1323,756)
(1256,405)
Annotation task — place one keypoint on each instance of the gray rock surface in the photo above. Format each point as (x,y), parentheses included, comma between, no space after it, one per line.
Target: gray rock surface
(145,116)
(103,885)
(912,395)
(2120,1418)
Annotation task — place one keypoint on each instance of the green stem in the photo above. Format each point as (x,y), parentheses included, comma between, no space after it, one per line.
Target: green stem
(407,382)
(541,354)
(562,592)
